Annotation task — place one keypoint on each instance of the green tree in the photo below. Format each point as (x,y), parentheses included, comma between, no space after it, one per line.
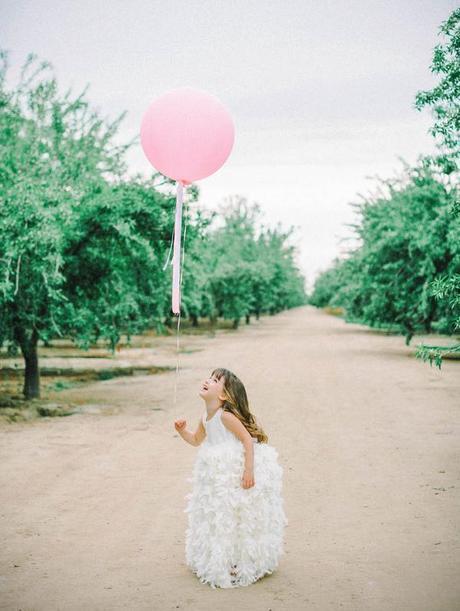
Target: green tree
(444,100)
(327,285)
(81,248)
(53,153)
(251,269)
(114,256)
(286,284)
(407,240)
(230,256)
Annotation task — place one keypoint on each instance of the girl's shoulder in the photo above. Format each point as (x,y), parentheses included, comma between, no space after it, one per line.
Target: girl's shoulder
(227,416)
(230,419)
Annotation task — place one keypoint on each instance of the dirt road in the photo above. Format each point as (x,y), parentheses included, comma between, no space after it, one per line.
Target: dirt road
(369,437)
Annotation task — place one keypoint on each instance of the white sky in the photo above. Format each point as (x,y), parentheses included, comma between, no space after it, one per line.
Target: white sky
(321,91)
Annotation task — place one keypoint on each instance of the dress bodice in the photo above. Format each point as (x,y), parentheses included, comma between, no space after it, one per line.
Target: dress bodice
(216,431)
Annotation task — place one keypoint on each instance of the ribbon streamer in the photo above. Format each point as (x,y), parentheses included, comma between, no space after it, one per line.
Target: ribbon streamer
(170,249)
(176,254)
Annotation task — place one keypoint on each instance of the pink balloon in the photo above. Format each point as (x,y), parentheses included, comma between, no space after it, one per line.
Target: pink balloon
(187,134)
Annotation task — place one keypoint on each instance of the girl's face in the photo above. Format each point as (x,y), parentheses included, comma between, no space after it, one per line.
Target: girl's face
(212,388)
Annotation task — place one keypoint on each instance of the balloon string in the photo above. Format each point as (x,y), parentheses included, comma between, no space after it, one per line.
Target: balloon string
(177,365)
(178,317)
(170,249)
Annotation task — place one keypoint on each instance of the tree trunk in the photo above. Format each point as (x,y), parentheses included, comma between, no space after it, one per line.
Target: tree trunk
(408,332)
(248,319)
(194,318)
(236,322)
(28,343)
(431,316)
(257,315)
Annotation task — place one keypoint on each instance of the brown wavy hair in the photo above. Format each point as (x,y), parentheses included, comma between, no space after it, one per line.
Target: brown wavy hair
(236,402)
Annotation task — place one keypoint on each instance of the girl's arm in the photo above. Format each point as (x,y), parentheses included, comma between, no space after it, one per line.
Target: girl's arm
(193,439)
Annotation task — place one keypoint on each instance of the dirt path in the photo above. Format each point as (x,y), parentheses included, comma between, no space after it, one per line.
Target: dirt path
(92,504)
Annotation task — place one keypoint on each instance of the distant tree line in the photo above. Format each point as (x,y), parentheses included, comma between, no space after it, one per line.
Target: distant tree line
(408,239)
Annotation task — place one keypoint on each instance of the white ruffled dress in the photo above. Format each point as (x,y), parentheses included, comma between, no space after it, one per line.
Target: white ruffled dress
(235,534)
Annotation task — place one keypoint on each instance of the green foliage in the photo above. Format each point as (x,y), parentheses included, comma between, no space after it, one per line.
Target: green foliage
(113,257)
(444,98)
(327,285)
(55,155)
(409,242)
(249,269)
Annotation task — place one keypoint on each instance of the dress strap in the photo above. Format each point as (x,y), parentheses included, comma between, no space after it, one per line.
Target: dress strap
(216,416)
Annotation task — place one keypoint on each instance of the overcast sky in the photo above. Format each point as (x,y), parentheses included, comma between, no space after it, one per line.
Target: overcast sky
(321,91)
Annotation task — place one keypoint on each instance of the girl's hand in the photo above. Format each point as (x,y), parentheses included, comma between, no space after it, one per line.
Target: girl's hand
(248,479)
(180,425)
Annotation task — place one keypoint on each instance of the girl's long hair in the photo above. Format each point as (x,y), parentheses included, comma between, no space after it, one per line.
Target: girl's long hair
(236,402)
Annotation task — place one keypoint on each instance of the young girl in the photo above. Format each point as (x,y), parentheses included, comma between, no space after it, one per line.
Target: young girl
(235,511)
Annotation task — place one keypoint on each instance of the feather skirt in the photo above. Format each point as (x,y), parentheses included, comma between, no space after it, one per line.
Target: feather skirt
(234,535)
